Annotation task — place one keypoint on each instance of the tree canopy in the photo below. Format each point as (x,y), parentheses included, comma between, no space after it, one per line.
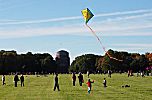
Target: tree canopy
(128,61)
(10,61)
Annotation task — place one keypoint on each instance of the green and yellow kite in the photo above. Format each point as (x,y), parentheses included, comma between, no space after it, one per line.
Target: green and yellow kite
(87,14)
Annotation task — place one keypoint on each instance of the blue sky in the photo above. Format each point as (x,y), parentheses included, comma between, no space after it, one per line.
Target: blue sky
(46,26)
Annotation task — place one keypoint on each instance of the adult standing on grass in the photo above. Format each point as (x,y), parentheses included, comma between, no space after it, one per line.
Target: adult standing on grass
(88,73)
(56,84)
(128,73)
(22,80)
(74,78)
(109,73)
(16,79)
(80,79)
(3,80)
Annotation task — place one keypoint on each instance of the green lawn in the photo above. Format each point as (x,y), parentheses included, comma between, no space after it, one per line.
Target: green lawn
(41,88)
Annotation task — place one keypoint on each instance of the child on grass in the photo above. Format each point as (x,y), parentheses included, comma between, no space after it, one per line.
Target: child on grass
(89,85)
(105,82)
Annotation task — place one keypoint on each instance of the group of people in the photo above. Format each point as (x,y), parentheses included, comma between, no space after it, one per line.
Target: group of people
(141,73)
(56,82)
(80,77)
(16,79)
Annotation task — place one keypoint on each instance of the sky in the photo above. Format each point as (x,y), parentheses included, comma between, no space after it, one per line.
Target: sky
(47,26)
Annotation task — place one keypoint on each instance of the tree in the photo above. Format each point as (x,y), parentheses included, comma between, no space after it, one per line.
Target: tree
(48,65)
(143,62)
(84,63)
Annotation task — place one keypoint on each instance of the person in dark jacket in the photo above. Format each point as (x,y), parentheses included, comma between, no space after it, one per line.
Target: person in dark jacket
(22,80)
(56,83)
(80,79)
(16,79)
(74,79)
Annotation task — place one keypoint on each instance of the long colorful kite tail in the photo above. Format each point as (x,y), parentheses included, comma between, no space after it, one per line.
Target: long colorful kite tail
(87,14)
(94,33)
(113,57)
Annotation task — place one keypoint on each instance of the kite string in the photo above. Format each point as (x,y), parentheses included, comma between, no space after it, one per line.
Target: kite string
(101,43)
(96,37)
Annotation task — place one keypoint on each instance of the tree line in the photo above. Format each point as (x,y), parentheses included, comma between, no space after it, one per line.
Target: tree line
(10,62)
(96,63)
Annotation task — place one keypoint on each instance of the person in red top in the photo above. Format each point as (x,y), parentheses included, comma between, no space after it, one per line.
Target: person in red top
(89,85)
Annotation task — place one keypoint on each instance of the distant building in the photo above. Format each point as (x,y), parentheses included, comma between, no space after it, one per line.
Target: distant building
(62,61)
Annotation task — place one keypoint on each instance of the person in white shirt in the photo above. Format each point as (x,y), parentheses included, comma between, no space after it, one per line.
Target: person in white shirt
(3,80)
(104,82)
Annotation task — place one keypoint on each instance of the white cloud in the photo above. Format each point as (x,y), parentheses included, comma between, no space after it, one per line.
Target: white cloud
(128,25)
(128,17)
(42,21)
(40,31)
(80,17)
(125,12)
(132,47)
(107,30)
(136,45)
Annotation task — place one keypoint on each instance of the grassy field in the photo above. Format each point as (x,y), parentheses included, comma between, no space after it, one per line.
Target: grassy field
(41,88)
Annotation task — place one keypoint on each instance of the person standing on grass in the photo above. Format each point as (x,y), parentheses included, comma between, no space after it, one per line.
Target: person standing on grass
(74,79)
(56,83)
(16,79)
(128,73)
(142,73)
(105,82)
(109,73)
(3,80)
(22,80)
(80,79)
(88,73)
(89,85)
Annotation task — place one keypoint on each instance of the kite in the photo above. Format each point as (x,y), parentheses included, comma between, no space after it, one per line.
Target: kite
(87,14)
